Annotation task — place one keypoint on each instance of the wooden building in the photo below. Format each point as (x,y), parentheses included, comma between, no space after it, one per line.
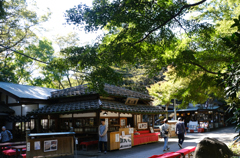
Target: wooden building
(209,117)
(81,109)
(15,101)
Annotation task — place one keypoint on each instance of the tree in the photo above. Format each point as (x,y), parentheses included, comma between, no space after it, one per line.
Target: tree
(16,33)
(139,32)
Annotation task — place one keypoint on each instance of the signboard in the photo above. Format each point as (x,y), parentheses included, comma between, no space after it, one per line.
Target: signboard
(37,145)
(50,145)
(116,137)
(28,146)
(142,125)
(130,130)
(106,122)
(131,101)
(125,142)
(151,129)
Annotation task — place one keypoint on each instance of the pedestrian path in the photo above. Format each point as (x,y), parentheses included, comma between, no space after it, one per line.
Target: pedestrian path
(144,151)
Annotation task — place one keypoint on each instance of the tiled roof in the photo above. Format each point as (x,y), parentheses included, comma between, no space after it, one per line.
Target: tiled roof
(24,91)
(110,89)
(91,105)
(5,109)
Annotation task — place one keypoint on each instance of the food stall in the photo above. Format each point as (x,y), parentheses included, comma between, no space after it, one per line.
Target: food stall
(81,110)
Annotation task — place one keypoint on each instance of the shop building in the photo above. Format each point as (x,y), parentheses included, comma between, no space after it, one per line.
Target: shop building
(81,110)
(15,101)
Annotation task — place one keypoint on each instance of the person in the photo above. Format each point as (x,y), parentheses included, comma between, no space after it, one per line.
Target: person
(102,131)
(6,135)
(165,130)
(180,131)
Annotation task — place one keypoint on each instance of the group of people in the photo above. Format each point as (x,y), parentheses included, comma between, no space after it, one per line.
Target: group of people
(180,131)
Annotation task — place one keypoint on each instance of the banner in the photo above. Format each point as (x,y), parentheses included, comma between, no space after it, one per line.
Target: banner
(125,142)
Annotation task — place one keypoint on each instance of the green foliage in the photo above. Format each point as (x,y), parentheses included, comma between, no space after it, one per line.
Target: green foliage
(16,34)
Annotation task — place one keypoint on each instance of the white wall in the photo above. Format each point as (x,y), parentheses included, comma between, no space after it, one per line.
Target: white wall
(42,105)
(90,114)
(17,109)
(28,108)
(66,116)
(109,114)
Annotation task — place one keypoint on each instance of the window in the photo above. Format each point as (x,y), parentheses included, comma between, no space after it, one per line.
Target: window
(44,123)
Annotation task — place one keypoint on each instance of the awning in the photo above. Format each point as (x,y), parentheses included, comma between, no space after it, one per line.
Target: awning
(93,105)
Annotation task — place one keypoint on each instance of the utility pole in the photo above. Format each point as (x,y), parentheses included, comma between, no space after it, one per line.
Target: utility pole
(174,106)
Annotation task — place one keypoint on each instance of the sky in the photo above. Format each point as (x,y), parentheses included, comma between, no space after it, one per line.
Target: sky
(55,25)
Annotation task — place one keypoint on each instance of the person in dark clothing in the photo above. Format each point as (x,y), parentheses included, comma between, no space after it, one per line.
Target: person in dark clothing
(180,131)
(6,135)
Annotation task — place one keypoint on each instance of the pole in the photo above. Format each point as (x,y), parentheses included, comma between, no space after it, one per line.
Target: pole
(76,142)
(28,144)
(175,113)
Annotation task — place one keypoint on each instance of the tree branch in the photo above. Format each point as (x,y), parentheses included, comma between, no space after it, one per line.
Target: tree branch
(173,17)
(189,62)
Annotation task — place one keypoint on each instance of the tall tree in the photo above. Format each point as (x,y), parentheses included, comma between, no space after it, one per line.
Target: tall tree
(15,34)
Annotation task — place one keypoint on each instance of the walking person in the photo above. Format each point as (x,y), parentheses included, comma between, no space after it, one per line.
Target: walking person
(102,131)
(180,131)
(165,130)
(5,135)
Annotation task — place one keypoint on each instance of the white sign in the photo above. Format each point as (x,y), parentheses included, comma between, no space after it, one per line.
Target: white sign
(76,141)
(130,130)
(125,142)
(28,146)
(123,133)
(106,122)
(37,145)
(116,137)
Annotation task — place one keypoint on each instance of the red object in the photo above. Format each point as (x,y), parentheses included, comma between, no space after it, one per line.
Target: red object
(89,142)
(10,152)
(191,131)
(200,130)
(186,150)
(24,155)
(145,137)
(86,144)
(167,155)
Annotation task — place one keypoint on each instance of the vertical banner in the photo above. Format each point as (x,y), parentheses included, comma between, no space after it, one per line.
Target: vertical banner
(28,146)
(106,122)
(116,137)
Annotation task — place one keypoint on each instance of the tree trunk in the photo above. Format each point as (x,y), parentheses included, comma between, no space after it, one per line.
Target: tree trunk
(167,109)
(61,84)
(69,80)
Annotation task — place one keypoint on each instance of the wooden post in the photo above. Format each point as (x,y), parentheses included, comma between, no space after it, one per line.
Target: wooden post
(153,121)
(28,146)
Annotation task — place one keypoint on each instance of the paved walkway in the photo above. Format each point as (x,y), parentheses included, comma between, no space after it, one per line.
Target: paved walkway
(144,151)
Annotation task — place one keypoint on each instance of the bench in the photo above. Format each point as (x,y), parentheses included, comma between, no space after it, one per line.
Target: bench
(200,130)
(167,155)
(85,144)
(145,137)
(188,150)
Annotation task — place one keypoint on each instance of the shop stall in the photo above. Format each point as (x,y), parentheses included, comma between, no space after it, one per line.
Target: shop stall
(79,110)
(204,118)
